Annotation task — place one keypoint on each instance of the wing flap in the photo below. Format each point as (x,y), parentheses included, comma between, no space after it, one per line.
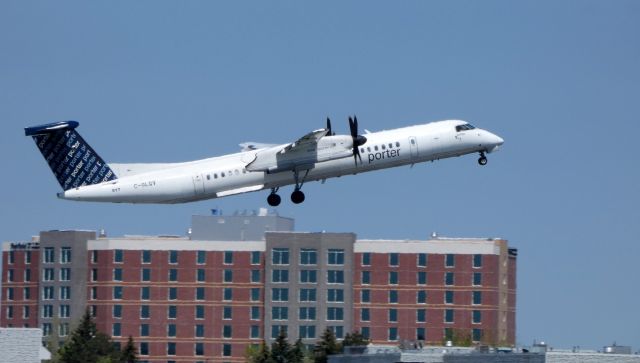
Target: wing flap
(248,189)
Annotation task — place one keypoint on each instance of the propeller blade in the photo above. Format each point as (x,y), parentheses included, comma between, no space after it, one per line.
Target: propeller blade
(329,127)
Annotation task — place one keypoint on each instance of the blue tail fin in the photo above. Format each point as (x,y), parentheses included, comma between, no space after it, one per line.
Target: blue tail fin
(72,160)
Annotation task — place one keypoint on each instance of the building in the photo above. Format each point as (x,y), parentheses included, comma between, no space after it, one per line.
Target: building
(188,300)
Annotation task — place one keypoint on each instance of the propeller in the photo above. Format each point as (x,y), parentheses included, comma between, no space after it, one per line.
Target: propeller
(358,140)
(329,128)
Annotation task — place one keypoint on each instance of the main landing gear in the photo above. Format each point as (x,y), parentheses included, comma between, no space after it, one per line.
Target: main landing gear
(297,196)
(483,159)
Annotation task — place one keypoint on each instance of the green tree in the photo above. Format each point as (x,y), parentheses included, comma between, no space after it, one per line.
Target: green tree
(326,346)
(129,353)
(280,349)
(259,354)
(354,339)
(87,345)
(297,352)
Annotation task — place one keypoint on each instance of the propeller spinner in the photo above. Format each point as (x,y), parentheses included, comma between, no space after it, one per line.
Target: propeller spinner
(358,140)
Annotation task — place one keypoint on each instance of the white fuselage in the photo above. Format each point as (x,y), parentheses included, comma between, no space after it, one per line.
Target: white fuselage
(228,174)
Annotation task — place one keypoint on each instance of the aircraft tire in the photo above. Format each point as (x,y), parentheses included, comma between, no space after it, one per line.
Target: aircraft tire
(273,199)
(297,197)
(483,160)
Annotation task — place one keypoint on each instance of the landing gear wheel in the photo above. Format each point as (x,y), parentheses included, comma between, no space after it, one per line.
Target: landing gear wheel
(297,196)
(482,160)
(273,199)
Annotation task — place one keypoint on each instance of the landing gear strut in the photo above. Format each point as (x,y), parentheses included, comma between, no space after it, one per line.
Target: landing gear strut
(274,199)
(297,196)
(483,159)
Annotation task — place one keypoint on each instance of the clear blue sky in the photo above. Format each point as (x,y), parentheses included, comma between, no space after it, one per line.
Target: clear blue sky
(154,81)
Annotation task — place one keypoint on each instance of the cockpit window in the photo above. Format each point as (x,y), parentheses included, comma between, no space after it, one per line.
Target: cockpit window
(465,127)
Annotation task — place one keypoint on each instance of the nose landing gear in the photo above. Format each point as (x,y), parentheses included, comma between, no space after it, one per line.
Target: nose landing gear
(483,159)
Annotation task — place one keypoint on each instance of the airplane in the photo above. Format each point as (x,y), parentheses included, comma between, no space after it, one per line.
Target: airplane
(316,156)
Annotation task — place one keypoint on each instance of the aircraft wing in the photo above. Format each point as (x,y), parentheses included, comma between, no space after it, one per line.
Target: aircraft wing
(250,146)
(310,139)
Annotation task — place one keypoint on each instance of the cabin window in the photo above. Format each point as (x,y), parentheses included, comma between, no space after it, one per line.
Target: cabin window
(375,148)
(215,176)
(465,127)
(237,172)
(362,150)
(413,141)
(244,171)
(390,145)
(383,147)
(397,144)
(208,177)
(222,174)
(368,149)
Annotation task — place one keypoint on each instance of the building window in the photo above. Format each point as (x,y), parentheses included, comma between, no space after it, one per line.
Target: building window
(477,261)
(280,313)
(201,257)
(276,329)
(199,331)
(46,329)
(226,350)
(94,274)
(308,276)
(394,259)
(200,293)
(448,315)
(477,298)
(144,312)
(476,335)
(280,256)
(335,256)
(47,293)
(255,257)
(366,259)
(335,277)
(393,334)
(307,295)
(117,274)
(227,313)
(449,279)
(116,310)
(199,313)
(48,274)
(476,316)
(255,313)
(199,349)
(65,292)
(173,293)
(173,274)
(393,277)
(94,256)
(145,293)
(422,278)
(173,257)
(9,312)
(47,311)
(227,276)
(255,332)
(393,315)
(12,257)
(366,332)
(477,279)
(365,278)
(171,330)
(421,334)
(307,332)
(171,348)
(228,257)
(116,330)
(65,274)
(27,275)
(450,260)
(172,311)
(200,275)
(338,330)
(26,313)
(144,348)
(335,295)
(146,256)
(365,315)
(26,293)
(227,294)
(10,275)
(280,294)
(448,297)
(365,296)
(145,274)
(118,256)
(335,314)
(49,255)
(308,256)
(393,296)
(65,255)
(255,276)
(63,329)
(422,260)
(421,315)
(117,293)
(278,276)
(94,293)
(307,313)
(255,294)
